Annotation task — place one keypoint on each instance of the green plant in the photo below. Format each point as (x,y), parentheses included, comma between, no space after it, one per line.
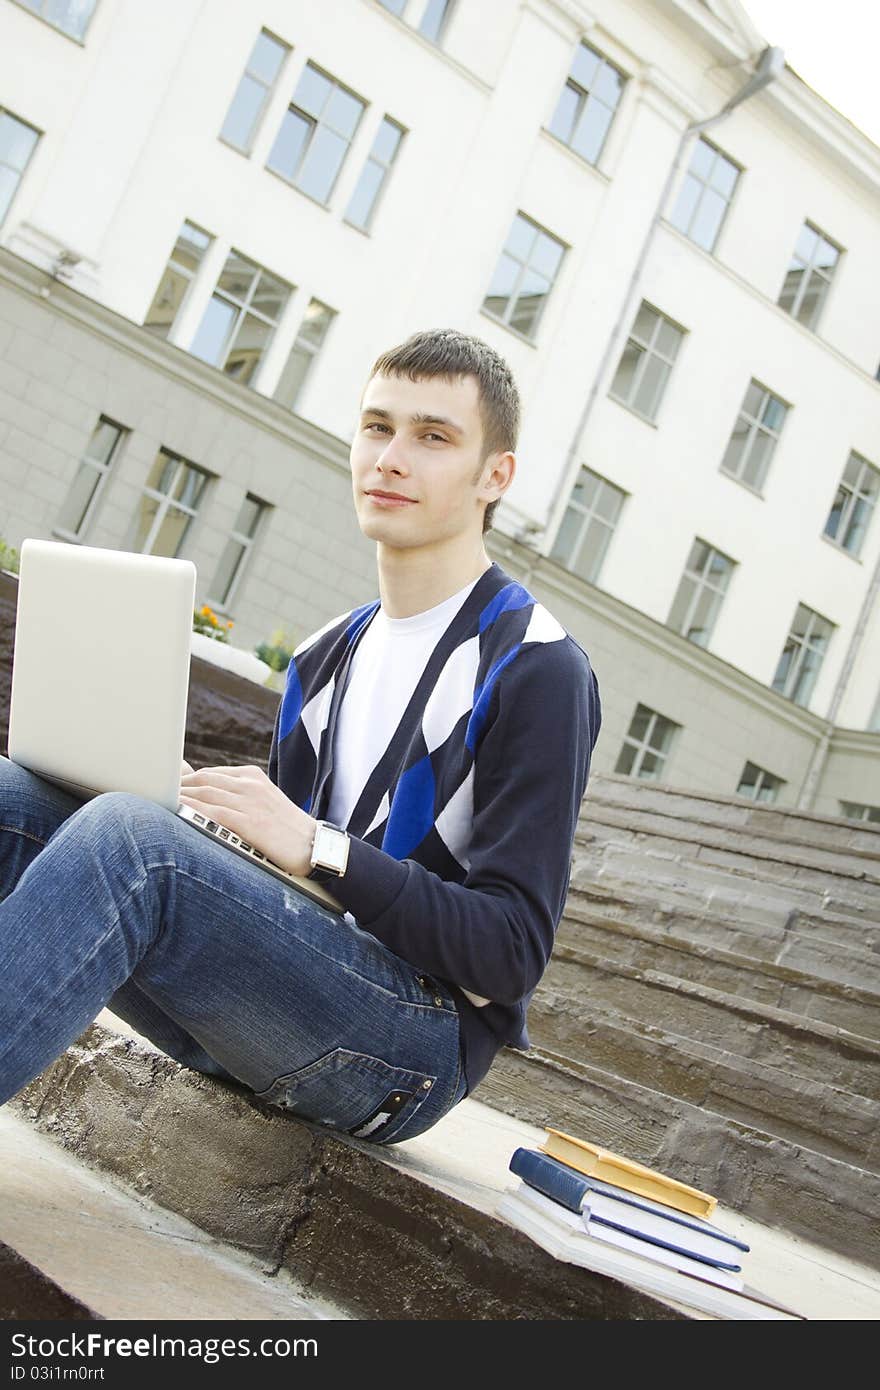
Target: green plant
(205,620)
(277,651)
(8,557)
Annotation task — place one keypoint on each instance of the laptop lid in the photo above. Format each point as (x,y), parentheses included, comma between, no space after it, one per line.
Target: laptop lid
(100,672)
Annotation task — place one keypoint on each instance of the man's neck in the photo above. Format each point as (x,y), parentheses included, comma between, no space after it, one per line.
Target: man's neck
(412,581)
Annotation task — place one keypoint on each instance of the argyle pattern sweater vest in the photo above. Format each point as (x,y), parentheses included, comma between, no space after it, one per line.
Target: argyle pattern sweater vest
(461,839)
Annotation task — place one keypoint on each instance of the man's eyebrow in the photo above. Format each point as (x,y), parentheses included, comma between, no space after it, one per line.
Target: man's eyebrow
(418,419)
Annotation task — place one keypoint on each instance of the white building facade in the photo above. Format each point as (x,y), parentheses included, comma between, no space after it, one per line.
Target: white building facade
(216,215)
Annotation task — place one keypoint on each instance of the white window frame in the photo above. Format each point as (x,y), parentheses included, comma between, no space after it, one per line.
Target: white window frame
(246,542)
(316,122)
(385,164)
(524,267)
(810,269)
(649,349)
(586,96)
(699,583)
(756,427)
(856,810)
(258,81)
(589,516)
(304,347)
(790,686)
(644,746)
(761,781)
(5,111)
(184,272)
(243,308)
(686,225)
(101,469)
(167,501)
(855,493)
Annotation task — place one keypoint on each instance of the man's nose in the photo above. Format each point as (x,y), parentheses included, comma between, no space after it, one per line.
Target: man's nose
(393,456)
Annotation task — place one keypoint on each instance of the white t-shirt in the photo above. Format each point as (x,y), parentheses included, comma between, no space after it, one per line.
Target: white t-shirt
(385,670)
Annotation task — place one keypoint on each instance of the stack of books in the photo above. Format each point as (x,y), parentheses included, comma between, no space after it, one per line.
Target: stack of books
(598,1209)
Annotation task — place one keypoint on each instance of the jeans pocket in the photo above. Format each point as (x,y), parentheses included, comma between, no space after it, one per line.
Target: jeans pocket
(352,1091)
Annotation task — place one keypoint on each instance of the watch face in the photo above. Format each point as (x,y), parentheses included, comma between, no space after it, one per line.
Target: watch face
(331,848)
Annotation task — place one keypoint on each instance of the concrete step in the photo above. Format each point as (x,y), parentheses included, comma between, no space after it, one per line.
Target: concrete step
(781,824)
(756,860)
(738,975)
(707,910)
(409,1231)
(779,1181)
(835,1123)
(578,983)
(86,1246)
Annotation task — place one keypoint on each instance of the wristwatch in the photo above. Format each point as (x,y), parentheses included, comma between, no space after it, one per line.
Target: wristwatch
(329,853)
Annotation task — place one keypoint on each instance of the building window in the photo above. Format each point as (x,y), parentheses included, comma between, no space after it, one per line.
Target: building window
(317,129)
(852,507)
(241,318)
(238,547)
(172,494)
(809,276)
(648,359)
(854,810)
(703,586)
(70,16)
(79,505)
(705,195)
(17,141)
(253,91)
(181,270)
(758,784)
(802,655)
(588,525)
(374,174)
(429,17)
(754,437)
(588,102)
(524,276)
(647,744)
(309,341)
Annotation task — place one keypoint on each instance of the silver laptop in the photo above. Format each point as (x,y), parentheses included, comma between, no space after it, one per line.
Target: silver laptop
(100,679)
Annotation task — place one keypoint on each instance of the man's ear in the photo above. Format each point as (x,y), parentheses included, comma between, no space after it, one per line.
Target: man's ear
(497,472)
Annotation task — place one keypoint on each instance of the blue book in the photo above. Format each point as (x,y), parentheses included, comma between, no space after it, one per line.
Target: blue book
(614,1209)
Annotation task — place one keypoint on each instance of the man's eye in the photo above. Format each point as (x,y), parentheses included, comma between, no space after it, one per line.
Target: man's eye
(375,425)
(441,437)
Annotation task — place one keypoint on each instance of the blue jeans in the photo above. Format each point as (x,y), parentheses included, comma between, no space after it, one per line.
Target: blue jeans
(117,902)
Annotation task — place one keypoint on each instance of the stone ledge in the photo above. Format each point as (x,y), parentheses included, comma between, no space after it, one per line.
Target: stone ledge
(344,1218)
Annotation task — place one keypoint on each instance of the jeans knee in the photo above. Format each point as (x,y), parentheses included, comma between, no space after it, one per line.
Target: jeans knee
(120,817)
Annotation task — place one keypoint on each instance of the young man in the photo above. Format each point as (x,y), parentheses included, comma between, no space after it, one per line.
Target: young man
(428,762)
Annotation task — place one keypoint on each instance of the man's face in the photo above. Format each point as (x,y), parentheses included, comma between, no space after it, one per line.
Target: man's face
(421,440)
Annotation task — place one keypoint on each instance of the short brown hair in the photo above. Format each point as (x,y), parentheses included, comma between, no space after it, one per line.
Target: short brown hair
(444,352)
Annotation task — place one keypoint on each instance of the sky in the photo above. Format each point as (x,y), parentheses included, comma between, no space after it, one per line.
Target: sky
(838,60)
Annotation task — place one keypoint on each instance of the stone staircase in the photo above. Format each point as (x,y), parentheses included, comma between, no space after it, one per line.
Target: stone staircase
(711,1007)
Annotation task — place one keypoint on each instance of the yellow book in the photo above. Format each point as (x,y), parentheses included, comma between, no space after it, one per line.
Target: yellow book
(623,1172)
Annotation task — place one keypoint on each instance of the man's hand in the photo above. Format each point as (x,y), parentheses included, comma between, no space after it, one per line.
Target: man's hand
(244,800)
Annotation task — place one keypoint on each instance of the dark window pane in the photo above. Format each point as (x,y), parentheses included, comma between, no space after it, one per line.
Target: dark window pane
(102,442)
(650,389)
(774,414)
(366,191)
(387,139)
(166,302)
(171,534)
(625,760)
(563,120)
(322,163)
(811,301)
(232,556)
(500,289)
(190,247)
(521,238)
(733,454)
(82,490)
(832,525)
(685,204)
(591,130)
(608,502)
(189,486)
(247,351)
(707,222)
(213,331)
(266,59)
(758,461)
(592,551)
(242,117)
(312,90)
(270,296)
(567,536)
(290,142)
(246,521)
(585,66)
(622,385)
(343,111)
(17,141)
(546,256)
(433,18)
(237,276)
(639,726)
(316,321)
